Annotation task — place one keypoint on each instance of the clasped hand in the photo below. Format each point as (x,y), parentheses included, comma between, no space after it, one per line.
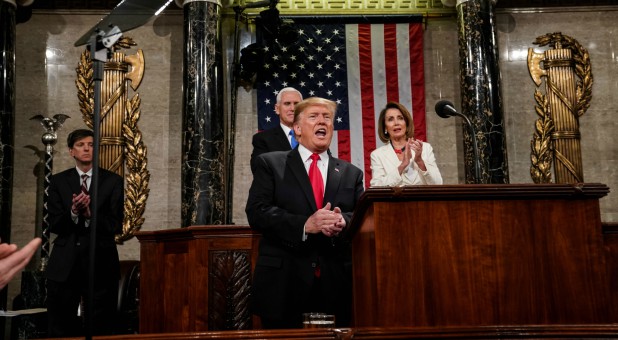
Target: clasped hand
(326,221)
(81,205)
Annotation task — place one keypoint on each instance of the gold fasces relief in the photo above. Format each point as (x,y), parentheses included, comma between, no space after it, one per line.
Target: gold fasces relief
(122,148)
(568,90)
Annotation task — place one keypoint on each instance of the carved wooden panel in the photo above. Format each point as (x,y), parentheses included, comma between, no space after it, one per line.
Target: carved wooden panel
(229,290)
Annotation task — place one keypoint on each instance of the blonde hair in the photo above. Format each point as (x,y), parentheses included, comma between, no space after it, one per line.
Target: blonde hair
(314,101)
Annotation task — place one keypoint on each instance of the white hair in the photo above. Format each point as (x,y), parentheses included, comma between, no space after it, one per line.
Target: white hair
(288,89)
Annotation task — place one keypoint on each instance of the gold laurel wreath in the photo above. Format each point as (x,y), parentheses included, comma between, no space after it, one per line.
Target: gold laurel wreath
(542,150)
(137,175)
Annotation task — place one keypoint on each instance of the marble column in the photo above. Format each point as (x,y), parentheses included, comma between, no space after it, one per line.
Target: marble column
(481,99)
(7,119)
(203,144)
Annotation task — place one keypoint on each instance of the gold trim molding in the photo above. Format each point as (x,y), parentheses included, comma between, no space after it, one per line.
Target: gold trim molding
(353,7)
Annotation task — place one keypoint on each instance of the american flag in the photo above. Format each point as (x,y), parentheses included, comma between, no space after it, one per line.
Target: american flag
(359,64)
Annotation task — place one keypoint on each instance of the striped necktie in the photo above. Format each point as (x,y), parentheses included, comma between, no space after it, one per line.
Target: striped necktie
(85,184)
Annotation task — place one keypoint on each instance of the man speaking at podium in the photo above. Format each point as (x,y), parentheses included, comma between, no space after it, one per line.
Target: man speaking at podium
(301,201)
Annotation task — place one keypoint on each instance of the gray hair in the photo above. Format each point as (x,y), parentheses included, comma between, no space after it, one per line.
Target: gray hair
(287,89)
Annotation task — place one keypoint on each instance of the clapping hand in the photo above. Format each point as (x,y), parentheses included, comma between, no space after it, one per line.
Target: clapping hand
(13,260)
(81,204)
(326,221)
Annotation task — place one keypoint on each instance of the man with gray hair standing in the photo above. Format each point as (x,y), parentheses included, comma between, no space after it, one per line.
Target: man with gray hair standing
(278,138)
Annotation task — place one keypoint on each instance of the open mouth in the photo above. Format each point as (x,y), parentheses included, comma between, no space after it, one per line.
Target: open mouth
(320,132)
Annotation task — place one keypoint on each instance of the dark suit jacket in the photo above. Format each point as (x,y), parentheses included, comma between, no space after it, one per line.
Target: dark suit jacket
(280,202)
(269,140)
(73,240)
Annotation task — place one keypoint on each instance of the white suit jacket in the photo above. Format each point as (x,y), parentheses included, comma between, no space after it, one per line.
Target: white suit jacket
(384,164)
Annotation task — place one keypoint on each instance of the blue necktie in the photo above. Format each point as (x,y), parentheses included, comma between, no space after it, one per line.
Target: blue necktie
(293,140)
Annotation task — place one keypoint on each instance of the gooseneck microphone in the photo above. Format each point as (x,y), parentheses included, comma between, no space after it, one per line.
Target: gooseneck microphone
(445,109)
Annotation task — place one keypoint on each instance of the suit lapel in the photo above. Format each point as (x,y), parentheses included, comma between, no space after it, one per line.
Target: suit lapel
(295,163)
(333,178)
(73,182)
(282,139)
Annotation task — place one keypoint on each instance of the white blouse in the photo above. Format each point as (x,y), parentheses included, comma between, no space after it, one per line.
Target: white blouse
(384,168)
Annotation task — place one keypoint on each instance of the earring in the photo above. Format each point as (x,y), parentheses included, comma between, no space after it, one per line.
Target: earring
(386,132)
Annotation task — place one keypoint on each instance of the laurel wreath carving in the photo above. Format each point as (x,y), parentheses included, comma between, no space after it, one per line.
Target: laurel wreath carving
(541,144)
(137,176)
(542,151)
(583,68)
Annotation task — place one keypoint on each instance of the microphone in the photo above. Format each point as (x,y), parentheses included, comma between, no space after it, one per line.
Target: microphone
(445,109)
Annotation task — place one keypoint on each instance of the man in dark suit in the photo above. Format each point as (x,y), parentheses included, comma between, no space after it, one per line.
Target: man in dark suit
(304,261)
(279,138)
(69,217)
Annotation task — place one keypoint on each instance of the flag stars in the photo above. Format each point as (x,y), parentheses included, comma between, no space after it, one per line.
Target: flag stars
(337,66)
(267,83)
(339,119)
(319,66)
(267,119)
(338,83)
(267,101)
(284,66)
(311,75)
(302,84)
(329,92)
(318,32)
(275,57)
(328,58)
(336,48)
(310,41)
(335,32)
(338,101)
(319,49)
(312,93)
(275,75)
(329,75)
(293,75)
(320,84)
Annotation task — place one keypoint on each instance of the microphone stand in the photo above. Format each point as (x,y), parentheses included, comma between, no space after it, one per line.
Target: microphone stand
(445,109)
(97,78)
(98,54)
(477,160)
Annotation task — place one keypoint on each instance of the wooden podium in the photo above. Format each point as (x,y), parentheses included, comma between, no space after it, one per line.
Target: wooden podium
(475,255)
(196,278)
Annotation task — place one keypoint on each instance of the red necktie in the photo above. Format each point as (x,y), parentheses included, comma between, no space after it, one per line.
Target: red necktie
(85,184)
(317,183)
